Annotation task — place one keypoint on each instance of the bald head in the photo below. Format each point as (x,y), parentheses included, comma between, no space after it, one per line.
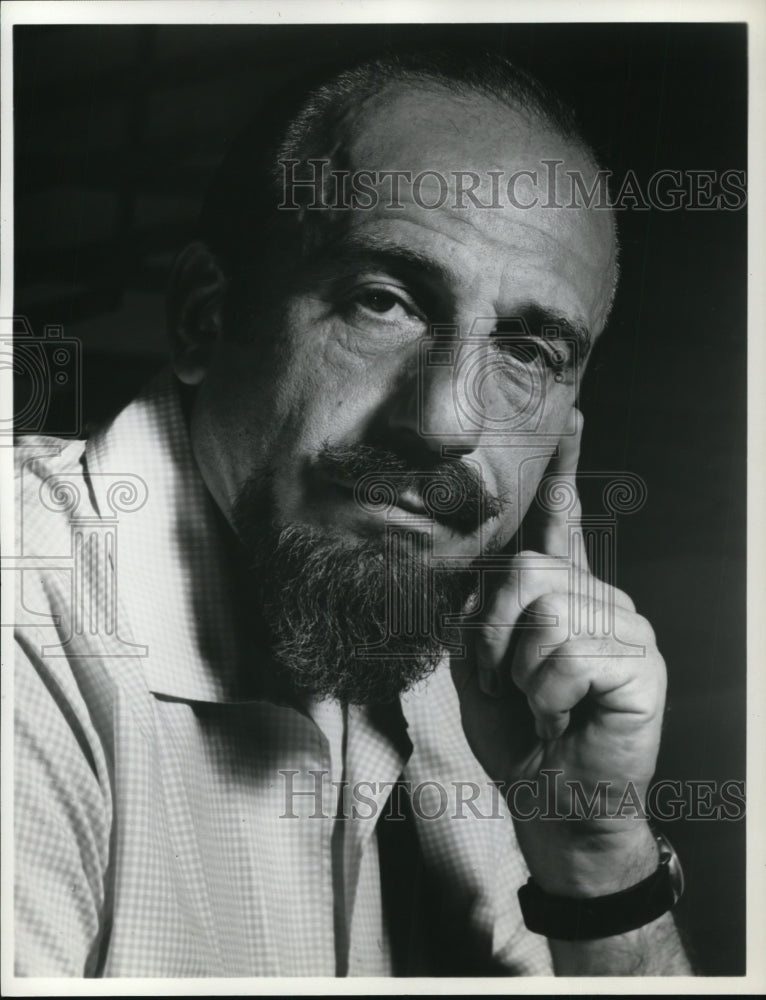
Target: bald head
(314,118)
(344,124)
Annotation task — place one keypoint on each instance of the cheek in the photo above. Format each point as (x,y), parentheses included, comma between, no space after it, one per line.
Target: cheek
(518,478)
(330,386)
(520,398)
(230,432)
(530,473)
(317,404)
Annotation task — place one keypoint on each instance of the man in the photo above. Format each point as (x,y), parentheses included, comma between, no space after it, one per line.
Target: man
(296,608)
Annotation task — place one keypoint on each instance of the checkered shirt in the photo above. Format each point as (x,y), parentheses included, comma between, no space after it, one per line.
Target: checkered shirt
(167,824)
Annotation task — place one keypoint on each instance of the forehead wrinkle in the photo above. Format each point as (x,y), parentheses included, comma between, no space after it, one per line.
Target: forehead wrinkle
(521,218)
(544,241)
(376,243)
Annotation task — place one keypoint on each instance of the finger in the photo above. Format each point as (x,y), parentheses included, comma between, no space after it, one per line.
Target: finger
(531,577)
(493,722)
(562,522)
(598,623)
(625,687)
(555,678)
(553,690)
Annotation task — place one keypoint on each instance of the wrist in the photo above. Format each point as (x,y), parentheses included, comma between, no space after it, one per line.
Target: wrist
(582,864)
(570,917)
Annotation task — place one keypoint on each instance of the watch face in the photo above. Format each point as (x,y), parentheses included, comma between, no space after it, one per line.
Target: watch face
(676,876)
(669,857)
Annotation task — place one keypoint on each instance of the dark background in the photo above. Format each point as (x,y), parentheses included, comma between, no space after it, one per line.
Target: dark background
(117,130)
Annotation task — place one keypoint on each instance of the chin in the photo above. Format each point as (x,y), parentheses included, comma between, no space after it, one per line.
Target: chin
(332,605)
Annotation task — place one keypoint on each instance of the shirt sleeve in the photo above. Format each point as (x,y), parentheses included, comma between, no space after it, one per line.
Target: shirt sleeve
(61,826)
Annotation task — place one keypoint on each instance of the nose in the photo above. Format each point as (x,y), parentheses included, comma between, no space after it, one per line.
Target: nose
(438,405)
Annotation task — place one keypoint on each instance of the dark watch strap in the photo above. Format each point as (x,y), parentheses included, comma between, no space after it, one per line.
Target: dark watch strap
(566,918)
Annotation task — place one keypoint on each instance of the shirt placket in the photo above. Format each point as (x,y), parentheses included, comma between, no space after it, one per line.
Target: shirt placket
(377,749)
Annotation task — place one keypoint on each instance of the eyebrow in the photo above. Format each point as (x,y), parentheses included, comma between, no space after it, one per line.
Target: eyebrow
(405,262)
(538,318)
(401,261)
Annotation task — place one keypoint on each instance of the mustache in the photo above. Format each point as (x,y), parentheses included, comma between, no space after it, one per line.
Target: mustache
(451,491)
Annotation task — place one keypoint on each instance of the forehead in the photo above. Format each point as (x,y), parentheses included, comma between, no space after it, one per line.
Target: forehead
(500,252)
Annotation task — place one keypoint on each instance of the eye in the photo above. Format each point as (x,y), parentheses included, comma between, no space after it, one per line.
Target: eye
(374,306)
(525,352)
(379,300)
(522,351)
(529,359)
(529,351)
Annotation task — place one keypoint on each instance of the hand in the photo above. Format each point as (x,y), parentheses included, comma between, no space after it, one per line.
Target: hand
(538,694)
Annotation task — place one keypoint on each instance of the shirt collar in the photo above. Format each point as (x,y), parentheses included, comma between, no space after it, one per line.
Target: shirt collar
(169,563)
(173,583)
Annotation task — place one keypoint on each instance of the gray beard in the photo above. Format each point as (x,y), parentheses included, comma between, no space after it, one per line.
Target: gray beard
(358,621)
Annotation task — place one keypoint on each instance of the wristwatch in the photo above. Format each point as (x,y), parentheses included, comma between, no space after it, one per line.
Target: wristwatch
(566,918)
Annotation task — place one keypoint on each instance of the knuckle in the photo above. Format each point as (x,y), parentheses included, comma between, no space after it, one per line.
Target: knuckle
(493,637)
(540,701)
(625,599)
(533,700)
(613,595)
(528,554)
(644,629)
(620,598)
(541,562)
(553,605)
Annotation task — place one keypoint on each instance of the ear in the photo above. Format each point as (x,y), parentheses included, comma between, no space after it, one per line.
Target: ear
(195,296)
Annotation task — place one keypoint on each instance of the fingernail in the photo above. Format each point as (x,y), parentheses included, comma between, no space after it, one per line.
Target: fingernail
(488,681)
